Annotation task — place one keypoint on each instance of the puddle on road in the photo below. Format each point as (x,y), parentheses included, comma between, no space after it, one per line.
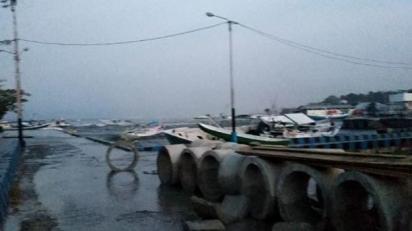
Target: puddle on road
(77,188)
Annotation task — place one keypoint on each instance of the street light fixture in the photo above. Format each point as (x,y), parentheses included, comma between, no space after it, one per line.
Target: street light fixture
(232,91)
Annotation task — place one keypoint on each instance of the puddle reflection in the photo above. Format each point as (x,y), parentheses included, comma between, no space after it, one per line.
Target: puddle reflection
(123,185)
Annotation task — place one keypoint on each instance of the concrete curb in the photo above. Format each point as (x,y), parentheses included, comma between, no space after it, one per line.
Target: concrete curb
(10,159)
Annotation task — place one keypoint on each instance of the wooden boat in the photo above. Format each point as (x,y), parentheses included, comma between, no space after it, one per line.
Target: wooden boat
(243,138)
(26,127)
(141,133)
(186,135)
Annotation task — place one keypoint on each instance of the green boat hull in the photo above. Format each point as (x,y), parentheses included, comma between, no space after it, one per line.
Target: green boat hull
(242,138)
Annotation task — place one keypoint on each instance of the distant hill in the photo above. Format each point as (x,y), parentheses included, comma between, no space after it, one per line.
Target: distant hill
(353,99)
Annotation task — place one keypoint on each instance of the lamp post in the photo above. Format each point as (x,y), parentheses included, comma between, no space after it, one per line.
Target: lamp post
(232,90)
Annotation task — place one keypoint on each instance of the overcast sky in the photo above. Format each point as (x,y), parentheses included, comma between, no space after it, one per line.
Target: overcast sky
(188,75)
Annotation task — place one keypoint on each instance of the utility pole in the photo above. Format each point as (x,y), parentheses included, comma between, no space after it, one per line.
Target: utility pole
(232,88)
(17,74)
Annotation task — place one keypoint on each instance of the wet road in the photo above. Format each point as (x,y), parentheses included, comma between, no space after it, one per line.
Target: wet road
(65,184)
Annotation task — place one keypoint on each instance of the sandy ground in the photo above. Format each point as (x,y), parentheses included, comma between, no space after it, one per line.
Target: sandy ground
(64,183)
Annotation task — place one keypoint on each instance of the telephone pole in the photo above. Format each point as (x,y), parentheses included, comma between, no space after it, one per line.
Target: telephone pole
(232,88)
(17,74)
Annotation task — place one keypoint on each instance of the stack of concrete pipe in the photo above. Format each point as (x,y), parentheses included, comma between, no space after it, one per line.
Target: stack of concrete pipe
(363,201)
(295,194)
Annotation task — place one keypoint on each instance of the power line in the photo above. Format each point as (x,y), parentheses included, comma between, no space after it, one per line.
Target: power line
(313,50)
(123,42)
(330,54)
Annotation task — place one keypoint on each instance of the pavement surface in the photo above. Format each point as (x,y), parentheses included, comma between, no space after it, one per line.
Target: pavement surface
(64,183)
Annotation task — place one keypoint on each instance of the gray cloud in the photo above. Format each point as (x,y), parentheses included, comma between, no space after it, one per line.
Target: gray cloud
(186,76)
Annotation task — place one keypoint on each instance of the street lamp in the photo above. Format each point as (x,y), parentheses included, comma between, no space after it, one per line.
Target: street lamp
(232,91)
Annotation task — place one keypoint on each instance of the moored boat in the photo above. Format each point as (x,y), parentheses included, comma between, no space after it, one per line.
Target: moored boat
(26,127)
(186,135)
(242,137)
(141,133)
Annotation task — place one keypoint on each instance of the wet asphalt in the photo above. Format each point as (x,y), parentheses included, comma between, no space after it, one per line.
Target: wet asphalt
(64,183)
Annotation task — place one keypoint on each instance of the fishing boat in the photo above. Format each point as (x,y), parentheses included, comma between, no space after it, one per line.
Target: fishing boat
(186,135)
(141,133)
(242,137)
(25,126)
(116,122)
(60,124)
(330,116)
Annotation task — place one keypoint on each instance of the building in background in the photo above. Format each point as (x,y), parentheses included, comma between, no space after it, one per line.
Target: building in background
(400,101)
(324,111)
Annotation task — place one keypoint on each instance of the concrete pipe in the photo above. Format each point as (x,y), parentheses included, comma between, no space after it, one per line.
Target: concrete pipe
(233,208)
(292,226)
(208,171)
(406,217)
(188,167)
(168,163)
(229,173)
(304,193)
(364,202)
(259,178)
(203,208)
(230,145)
(406,211)
(201,143)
